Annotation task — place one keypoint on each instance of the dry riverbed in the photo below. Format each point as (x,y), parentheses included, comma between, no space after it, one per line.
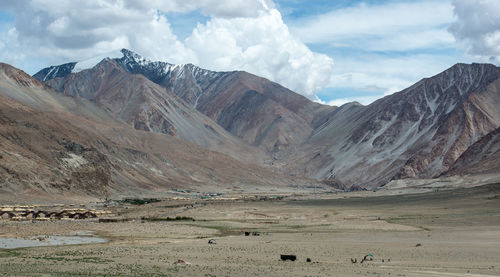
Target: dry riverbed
(445,233)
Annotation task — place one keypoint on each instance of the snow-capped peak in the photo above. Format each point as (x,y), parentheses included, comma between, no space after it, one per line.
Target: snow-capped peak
(130,56)
(156,71)
(93,61)
(63,70)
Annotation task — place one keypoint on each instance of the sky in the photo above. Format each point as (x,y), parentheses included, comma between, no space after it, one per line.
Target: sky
(331,51)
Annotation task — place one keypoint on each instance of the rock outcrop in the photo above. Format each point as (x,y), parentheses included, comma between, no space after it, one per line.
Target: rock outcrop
(419,132)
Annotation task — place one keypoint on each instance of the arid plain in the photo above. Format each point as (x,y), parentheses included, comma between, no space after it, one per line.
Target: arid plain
(438,233)
(250,138)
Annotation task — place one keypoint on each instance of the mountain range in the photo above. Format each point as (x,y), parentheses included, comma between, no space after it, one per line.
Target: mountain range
(127,125)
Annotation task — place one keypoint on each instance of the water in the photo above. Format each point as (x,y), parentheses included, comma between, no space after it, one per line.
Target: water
(11,243)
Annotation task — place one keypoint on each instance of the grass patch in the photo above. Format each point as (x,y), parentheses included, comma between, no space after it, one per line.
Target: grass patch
(93,260)
(223,229)
(113,220)
(8,253)
(407,218)
(177,218)
(139,201)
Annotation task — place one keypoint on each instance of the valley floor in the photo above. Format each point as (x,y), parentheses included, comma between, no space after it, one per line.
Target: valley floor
(443,233)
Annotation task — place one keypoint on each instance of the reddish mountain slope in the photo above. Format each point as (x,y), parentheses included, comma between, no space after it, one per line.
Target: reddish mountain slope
(150,107)
(483,157)
(57,147)
(418,133)
(260,112)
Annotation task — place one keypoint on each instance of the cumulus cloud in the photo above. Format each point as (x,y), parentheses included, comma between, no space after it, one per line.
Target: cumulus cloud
(216,8)
(240,35)
(376,75)
(70,30)
(478,28)
(363,100)
(389,26)
(384,46)
(8,44)
(261,45)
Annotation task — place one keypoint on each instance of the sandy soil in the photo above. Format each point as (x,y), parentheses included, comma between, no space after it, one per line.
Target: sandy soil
(446,233)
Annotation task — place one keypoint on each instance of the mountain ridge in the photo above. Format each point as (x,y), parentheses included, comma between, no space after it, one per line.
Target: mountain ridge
(222,97)
(394,136)
(58,147)
(419,132)
(147,106)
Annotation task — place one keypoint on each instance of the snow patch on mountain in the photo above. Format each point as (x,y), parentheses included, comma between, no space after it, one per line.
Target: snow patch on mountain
(93,61)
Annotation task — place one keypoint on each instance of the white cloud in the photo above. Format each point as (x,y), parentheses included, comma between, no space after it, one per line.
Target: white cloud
(216,8)
(261,45)
(477,28)
(408,41)
(251,35)
(390,20)
(387,75)
(235,8)
(240,35)
(364,100)
(384,74)
(62,31)
(382,47)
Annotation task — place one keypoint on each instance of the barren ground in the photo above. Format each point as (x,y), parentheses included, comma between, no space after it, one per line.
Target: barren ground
(457,233)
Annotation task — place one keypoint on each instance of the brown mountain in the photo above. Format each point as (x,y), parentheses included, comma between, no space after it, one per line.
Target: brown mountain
(260,112)
(54,146)
(150,107)
(416,133)
(482,157)
(419,132)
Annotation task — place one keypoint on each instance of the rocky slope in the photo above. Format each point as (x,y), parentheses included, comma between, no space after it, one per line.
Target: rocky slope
(260,112)
(483,157)
(55,146)
(150,107)
(52,72)
(419,132)
(416,133)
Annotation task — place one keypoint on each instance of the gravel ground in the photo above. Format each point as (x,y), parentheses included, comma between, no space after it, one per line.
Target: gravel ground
(431,234)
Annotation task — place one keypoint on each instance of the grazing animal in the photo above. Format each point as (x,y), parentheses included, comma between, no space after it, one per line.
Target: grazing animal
(288,257)
(368,257)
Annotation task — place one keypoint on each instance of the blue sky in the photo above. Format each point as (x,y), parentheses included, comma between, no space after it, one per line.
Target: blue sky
(5,17)
(330,51)
(184,23)
(369,46)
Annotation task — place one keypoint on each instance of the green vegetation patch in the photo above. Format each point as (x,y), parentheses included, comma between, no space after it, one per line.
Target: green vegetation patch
(93,260)
(140,201)
(177,218)
(7,253)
